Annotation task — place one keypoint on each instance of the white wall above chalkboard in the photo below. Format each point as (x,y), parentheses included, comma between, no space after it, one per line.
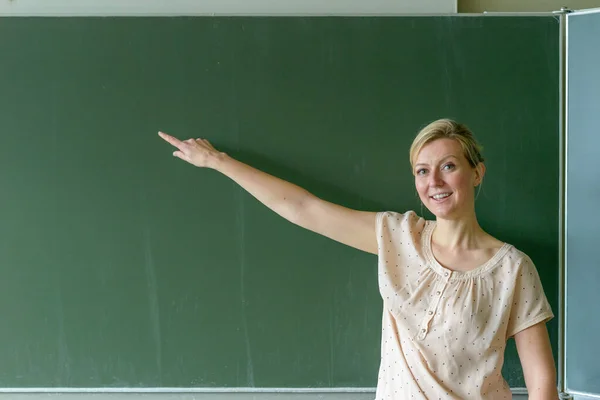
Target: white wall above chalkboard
(222,7)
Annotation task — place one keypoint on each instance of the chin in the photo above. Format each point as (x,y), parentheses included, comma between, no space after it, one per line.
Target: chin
(447,217)
(443,213)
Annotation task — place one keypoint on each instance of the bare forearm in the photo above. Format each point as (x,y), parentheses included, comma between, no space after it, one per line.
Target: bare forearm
(545,395)
(543,389)
(541,383)
(351,227)
(284,198)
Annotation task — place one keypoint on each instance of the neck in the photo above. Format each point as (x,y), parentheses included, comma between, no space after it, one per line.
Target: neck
(463,233)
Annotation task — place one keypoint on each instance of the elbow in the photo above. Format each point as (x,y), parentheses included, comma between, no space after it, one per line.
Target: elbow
(304,210)
(298,210)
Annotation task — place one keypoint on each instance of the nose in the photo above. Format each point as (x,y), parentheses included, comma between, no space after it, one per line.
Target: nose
(435,178)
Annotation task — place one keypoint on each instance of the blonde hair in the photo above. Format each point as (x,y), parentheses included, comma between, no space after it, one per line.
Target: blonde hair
(448,129)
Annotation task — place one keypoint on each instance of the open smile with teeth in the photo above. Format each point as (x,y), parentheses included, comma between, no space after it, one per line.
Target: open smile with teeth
(440,196)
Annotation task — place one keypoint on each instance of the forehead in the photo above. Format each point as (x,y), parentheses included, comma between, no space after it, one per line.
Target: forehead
(438,149)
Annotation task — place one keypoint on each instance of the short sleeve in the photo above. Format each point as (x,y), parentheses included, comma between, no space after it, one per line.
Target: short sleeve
(383,222)
(390,225)
(529,303)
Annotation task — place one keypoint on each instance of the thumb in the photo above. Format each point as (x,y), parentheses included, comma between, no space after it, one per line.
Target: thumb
(179,154)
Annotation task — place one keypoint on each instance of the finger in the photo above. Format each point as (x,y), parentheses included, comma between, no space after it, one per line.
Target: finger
(172,140)
(180,154)
(206,142)
(203,142)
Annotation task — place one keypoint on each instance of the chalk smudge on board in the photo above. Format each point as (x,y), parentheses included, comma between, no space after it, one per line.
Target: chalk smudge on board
(331,345)
(240,222)
(242,242)
(63,348)
(153,298)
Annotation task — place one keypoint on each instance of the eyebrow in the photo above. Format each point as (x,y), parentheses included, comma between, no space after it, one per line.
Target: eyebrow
(443,159)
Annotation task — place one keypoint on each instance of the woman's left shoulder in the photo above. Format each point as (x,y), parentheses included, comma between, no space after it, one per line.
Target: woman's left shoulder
(515,261)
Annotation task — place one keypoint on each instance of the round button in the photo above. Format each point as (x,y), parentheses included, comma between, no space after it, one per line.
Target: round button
(430,312)
(423,330)
(438,293)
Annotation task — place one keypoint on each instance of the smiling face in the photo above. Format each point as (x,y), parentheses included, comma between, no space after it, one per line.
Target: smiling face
(445,180)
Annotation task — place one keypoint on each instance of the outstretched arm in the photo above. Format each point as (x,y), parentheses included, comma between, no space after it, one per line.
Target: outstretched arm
(297,205)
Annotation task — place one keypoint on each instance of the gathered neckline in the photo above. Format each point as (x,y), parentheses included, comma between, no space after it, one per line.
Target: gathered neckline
(450,273)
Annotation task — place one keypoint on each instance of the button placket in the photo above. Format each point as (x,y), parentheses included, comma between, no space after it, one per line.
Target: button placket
(430,313)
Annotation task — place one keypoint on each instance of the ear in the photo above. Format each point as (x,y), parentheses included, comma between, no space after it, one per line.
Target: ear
(479,173)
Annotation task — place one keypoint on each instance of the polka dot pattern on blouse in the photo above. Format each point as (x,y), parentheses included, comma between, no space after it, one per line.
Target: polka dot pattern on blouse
(444,332)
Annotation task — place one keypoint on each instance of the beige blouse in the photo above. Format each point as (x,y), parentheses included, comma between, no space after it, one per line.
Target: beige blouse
(444,332)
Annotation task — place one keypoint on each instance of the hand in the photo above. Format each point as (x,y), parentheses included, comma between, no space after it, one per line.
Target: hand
(198,152)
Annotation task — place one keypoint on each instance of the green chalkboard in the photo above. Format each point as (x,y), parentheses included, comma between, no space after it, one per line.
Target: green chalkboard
(125,267)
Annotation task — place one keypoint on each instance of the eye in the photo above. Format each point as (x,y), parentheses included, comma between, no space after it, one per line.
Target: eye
(448,167)
(421,171)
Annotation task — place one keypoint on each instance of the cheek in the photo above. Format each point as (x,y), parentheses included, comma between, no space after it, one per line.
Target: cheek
(421,187)
(463,181)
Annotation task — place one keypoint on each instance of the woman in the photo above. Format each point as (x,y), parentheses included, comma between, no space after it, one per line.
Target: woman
(453,294)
